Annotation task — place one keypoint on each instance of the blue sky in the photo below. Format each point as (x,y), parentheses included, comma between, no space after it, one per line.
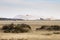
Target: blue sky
(38,8)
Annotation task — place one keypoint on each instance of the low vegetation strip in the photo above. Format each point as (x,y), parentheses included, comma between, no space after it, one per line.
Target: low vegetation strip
(49,28)
(19,28)
(22,28)
(13,39)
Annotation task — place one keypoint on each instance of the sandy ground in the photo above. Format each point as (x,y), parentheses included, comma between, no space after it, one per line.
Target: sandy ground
(31,36)
(34,35)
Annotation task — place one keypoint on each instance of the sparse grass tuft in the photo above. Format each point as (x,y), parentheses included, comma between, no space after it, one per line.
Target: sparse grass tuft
(56,32)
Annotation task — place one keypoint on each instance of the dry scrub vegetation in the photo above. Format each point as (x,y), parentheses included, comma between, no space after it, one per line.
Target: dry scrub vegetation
(30,30)
(19,28)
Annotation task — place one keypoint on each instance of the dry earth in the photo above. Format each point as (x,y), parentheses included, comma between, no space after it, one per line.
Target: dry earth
(33,35)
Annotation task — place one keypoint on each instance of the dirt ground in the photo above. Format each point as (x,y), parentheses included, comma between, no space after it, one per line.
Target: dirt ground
(33,35)
(40,35)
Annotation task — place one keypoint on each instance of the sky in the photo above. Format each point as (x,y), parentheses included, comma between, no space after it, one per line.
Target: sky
(37,8)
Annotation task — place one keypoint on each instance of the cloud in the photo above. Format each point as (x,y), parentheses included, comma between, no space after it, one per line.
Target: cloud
(26,4)
(39,8)
(11,4)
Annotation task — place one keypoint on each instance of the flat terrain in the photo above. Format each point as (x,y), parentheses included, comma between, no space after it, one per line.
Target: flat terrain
(33,24)
(33,35)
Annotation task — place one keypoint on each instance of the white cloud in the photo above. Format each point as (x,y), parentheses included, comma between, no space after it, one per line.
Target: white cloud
(39,9)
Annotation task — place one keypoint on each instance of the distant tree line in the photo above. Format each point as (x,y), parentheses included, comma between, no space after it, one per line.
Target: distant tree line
(10,19)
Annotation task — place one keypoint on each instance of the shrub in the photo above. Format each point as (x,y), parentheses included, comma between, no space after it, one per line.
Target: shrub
(8,28)
(22,28)
(47,34)
(55,27)
(19,28)
(56,32)
(37,28)
(49,28)
(43,27)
